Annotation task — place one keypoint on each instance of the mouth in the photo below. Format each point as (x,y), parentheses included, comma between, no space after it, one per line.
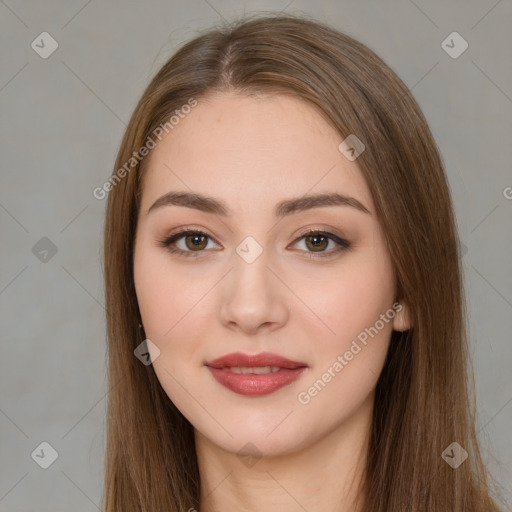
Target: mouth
(257,370)
(255,375)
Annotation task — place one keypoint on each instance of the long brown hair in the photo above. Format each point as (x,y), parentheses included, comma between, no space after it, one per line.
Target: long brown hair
(422,401)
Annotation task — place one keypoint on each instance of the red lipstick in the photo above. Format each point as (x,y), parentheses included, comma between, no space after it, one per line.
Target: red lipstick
(255,375)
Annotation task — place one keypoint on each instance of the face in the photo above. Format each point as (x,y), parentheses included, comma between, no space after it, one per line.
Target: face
(256,272)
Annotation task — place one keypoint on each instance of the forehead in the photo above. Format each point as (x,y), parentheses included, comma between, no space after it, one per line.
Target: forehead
(267,146)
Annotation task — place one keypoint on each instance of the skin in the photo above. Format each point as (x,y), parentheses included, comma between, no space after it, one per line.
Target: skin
(253,152)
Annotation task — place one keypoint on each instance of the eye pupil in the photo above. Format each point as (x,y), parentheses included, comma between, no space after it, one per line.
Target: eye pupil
(195,237)
(318,240)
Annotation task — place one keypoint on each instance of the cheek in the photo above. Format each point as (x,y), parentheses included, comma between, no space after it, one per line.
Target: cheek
(346,303)
(177,312)
(348,360)
(166,297)
(171,309)
(351,338)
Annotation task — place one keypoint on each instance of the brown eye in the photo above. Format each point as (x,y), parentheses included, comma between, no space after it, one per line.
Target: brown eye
(317,243)
(195,242)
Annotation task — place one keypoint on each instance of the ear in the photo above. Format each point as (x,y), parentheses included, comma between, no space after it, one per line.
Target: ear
(402,319)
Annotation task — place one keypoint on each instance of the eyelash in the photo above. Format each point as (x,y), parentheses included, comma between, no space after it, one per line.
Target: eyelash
(167,243)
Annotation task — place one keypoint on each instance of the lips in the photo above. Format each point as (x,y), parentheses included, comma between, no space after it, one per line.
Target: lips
(239,360)
(255,375)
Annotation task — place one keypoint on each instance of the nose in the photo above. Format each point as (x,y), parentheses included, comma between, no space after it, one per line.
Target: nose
(254,299)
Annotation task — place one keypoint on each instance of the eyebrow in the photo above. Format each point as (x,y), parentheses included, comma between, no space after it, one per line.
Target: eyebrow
(211,205)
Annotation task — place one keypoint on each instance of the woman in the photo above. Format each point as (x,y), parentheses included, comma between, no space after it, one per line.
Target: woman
(285,305)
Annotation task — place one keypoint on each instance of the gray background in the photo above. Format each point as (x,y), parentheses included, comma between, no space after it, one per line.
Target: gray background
(62,119)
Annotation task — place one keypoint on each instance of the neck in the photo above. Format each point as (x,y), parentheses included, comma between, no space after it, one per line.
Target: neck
(322,476)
